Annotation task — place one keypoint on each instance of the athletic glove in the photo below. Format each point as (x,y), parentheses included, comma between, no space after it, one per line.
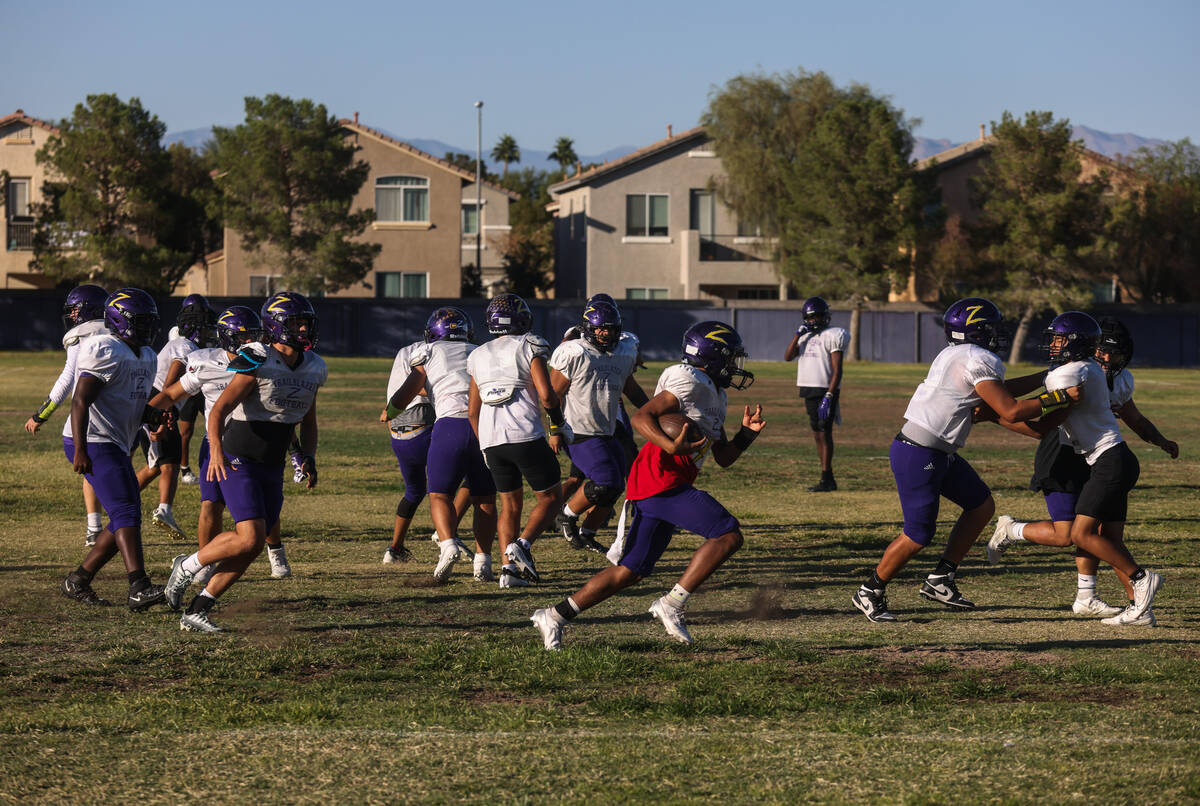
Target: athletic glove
(44,411)
(800,331)
(1053,401)
(825,407)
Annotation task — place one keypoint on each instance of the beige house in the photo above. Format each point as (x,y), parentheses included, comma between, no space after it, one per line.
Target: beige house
(426,222)
(646,226)
(21,137)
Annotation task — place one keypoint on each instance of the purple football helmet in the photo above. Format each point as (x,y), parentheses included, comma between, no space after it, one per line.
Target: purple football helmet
(716,348)
(603,298)
(978,321)
(132,314)
(815,313)
(84,303)
(288,318)
(1072,336)
(1115,349)
(449,324)
(601,325)
(509,315)
(196,319)
(237,326)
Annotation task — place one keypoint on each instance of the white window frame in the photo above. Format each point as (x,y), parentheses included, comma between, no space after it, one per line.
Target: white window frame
(402,223)
(9,213)
(403,275)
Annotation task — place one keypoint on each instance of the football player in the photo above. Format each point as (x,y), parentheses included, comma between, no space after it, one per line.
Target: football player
(83,316)
(1062,471)
(193,330)
(509,379)
(195,316)
(589,376)
(660,495)
(114,375)
(818,350)
(250,427)
(440,366)
(924,455)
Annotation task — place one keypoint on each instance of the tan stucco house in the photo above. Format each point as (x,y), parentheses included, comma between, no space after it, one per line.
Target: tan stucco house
(21,136)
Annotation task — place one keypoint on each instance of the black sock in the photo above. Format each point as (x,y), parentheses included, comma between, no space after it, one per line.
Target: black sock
(138,581)
(874,582)
(1138,574)
(826,475)
(86,576)
(944,568)
(201,603)
(565,610)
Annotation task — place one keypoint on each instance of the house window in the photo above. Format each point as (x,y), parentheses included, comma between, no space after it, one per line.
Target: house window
(769,292)
(645,293)
(263,285)
(470,218)
(18,198)
(401,284)
(748,229)
(402,198)
(646,215)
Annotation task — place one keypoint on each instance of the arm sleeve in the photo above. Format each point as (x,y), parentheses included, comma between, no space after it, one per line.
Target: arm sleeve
(190,379)
(98,359)
(537,347)
(563,357)
(839,342)
(984,366)
(420,356)
(66,379)
(1063,377)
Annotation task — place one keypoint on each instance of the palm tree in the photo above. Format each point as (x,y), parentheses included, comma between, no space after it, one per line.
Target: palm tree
(506,151)
(564,153)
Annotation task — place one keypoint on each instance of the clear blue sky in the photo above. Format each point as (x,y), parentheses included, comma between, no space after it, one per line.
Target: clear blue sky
(605,74)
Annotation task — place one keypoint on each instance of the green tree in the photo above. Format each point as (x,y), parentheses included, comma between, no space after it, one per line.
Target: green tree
(115,212)
(564,153)
(528,248)
(1153,235)
(506,151)
(1039,222)
(288,178)
(467,163)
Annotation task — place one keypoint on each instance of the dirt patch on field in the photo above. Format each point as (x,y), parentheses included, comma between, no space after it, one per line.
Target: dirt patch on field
(482,696)
(957,657)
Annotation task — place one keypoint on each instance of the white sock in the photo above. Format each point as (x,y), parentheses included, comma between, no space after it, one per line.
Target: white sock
(523,543)
(164,509)
(94,524)
(1018,530)
(570,513)
(192,564)
(678,597)
(1086,587)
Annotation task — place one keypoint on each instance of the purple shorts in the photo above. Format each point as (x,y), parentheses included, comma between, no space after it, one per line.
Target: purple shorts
(923,475)
(656,518)
(1061,506)
(114,481)
(601,459)
(454,454)
(209,490)
(411,454)
(253,491)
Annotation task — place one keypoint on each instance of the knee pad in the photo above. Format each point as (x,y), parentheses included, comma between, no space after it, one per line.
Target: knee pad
(603,495)
(406,508)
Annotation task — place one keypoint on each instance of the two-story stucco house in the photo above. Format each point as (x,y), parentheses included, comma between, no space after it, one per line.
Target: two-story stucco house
(21,136)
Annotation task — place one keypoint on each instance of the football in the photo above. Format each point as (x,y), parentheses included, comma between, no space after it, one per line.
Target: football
(672,424)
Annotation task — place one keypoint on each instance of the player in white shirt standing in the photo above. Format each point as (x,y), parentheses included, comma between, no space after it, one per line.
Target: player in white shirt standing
(114,374)
(924,455)
(509,379)
(83,316)
(1088,449)
(440,367)
(195,315)
(819,350)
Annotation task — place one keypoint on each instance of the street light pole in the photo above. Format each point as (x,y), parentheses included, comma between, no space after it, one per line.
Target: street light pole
(479,189)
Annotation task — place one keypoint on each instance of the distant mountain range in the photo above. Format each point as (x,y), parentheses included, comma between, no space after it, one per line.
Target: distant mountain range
(1110,145)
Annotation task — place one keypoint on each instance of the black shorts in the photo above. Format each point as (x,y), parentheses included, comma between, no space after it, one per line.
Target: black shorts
(812,397)
(1105,496)
(168,450)
(533,460)
(191,408)
(1057,468)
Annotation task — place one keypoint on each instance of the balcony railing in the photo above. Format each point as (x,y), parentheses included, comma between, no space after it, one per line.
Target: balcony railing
(734,248)
(19,235)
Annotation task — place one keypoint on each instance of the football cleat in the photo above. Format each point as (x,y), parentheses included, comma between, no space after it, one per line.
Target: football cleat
(1094,607)
(1002,538)
(942,589)
(447,557)
(510,577)
(1144,590)
(146,598)
(671,618)
(74,587)
(1127,618)
(198,622)
(823,486)
(873,604)
(464,553)
(177,583)
(550,629)
(433,538)
(482,568)
(165,521)
(394,555)
(590,543)
(279,562)
(92,536)
(568,527)
(522,559)
(186,476)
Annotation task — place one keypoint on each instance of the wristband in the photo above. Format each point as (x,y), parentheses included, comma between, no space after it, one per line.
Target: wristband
(392,412)
(743,438)
(556,417)
(43,414)
(1053,401)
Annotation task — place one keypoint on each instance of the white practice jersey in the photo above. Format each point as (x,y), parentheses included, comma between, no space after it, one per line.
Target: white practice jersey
(943,401)
(1122,389)
(401,369)
(446,376)
(117,413)
(65,384)
(502,371)
(700,400)
(814,365)
(177,349)
(282,394)
(1091,427)
(597,381)
(207,373)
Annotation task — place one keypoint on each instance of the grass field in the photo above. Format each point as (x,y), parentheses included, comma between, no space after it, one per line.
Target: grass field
(356,682)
